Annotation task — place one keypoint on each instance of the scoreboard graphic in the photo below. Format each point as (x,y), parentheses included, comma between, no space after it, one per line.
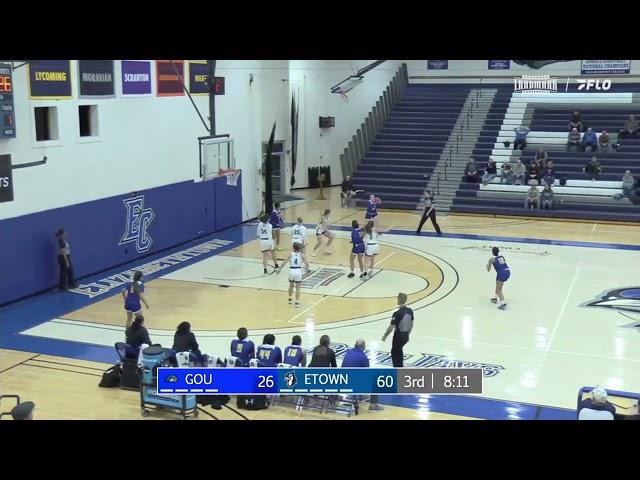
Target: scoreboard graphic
(315,381)
(7,114)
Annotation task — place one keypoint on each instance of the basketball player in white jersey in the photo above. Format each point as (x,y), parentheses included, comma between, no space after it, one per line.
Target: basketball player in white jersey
(372,248)
(265,234)
(298,234)
(323,230)
(297,269)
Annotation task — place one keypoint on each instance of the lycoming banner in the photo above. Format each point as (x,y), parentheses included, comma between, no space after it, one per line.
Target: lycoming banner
(50,79)
(605,67)
(96,78)
(136,77)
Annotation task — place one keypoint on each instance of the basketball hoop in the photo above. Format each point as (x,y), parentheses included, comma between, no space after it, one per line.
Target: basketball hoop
(232,176)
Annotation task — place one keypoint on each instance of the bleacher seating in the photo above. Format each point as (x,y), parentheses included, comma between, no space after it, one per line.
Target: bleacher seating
(548,116)
(410,143)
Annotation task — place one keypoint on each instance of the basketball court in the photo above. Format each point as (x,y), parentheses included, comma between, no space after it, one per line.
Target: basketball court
(573,316)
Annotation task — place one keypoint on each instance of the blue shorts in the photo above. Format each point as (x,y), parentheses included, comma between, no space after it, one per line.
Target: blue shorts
(370,216)
(503,276)
(358,248)
(131,307)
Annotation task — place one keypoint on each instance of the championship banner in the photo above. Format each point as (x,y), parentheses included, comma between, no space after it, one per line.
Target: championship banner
(605,67)
(198,75)
(6,180)
(136,78)
(95,78)
(499,64)
(50,79)
(437,64)
(169,83)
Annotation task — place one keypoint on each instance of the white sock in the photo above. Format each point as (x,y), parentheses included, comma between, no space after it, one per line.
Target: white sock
(499,302)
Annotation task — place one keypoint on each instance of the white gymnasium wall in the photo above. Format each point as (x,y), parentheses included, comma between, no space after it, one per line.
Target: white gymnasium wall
(314,79)
(146,142)
(480,68)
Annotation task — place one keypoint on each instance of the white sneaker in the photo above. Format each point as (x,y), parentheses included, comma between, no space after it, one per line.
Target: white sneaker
(297,305)
(313,254)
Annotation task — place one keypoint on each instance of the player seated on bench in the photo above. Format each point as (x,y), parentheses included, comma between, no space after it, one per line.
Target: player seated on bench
(294,354)
(268,355)
(356,358)
(243,349)
(136,335)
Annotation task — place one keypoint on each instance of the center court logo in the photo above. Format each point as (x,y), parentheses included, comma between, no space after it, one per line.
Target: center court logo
(624,301)
(535,84)
(137,222)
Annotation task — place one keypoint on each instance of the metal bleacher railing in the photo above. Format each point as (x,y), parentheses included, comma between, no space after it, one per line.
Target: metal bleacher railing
(361,142)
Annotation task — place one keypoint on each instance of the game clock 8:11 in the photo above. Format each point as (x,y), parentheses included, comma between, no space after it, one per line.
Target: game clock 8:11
(7,124)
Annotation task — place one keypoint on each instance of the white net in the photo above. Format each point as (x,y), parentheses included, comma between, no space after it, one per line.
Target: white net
(232,176)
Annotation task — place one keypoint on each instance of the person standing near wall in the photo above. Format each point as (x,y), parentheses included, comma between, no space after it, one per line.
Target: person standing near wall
(67,279)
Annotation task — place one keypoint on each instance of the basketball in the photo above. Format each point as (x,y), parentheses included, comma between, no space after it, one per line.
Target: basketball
(378,200)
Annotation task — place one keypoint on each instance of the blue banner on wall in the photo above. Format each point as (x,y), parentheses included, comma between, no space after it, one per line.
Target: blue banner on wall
(437,64)
(50,79)
(112,231)
(499,64)
(96,78)
(605,67)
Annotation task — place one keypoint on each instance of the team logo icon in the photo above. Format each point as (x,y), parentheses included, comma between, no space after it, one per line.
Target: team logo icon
(171,379)
(137,222)
(290,379)
(624,301)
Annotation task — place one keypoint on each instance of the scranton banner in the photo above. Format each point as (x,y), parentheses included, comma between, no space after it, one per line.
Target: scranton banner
(499,64)
(605,67)
(136,77)
(95,78)
(169,75)
(198,74)
(50,79)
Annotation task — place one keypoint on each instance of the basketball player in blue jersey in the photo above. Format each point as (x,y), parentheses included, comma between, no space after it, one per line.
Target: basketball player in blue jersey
(294,354)
(268,354)
(277,222)
(266,242)
(296,271)
(502,275)
(132,295)
(357,249)
(372,210)
(243,349)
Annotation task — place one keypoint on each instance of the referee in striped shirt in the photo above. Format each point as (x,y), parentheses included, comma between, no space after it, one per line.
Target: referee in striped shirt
(429,212)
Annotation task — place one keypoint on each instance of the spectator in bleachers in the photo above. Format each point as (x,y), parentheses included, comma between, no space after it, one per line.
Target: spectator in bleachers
(630,128)
(490,172)
(598,401)
(541,158)
(549,173)
(533,172)
(268,354)
(576,121)
(323,355)
(546,197)
(356,358)
(628,184)
(533,198)
(519,172)
(604,142)
(589,140)
(521,137)
(136,334)
(294,354)
(185,341)
(593,168)
(507,173)
(471,174)
(243,349)
(573,139)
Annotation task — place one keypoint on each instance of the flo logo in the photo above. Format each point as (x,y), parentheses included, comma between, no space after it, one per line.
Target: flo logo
(137,222)
(624,301)
(593,84)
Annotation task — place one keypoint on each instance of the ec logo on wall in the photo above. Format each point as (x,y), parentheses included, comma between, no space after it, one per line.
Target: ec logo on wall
(137,222)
